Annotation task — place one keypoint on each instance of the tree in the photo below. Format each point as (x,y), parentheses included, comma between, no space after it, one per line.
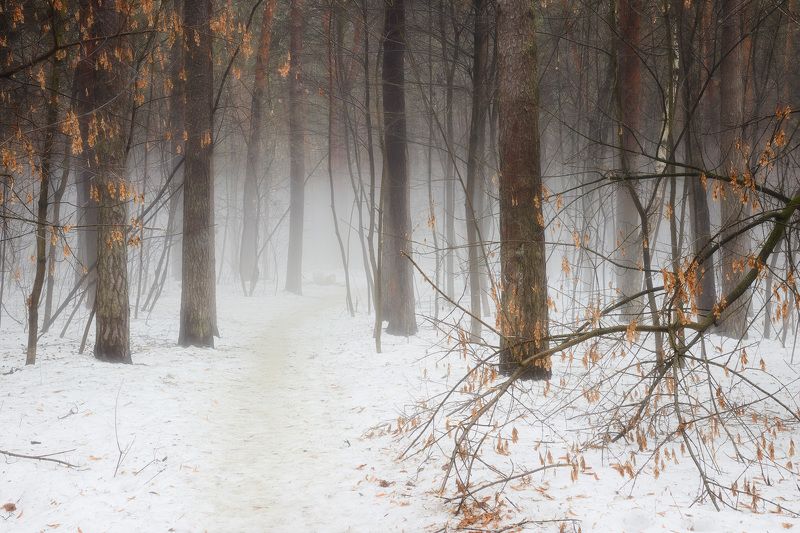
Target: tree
(690,26)
(248,252)
(398,295)
(523,316)
(198,294)
(109,188)
(629,97)
(41,217)
(734,251)
(297,171)
(474,185)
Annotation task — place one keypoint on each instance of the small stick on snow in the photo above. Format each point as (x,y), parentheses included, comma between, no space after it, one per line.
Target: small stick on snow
(46,457)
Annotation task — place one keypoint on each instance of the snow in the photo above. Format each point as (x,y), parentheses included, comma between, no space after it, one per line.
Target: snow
(291,424)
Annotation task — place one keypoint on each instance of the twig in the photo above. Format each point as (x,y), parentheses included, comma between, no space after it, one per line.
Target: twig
(46,457)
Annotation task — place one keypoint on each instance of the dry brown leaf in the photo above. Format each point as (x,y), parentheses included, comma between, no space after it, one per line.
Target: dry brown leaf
(10,507)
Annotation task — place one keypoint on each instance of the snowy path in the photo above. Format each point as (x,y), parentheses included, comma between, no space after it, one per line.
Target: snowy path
(263,433)
(276,435)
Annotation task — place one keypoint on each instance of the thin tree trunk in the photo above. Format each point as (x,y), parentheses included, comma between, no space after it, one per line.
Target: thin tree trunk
(374,209)
(332,68)
(41,217)
(294,267)
(474,192)
(449,177)
(248,260)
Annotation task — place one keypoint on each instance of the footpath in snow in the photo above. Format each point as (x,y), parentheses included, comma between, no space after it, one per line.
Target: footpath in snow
(263,433)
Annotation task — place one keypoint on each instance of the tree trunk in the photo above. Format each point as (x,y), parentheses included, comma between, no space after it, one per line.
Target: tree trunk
(87,207)
(332,24)
(689,27)
(248,252)
(523,319)
(733,254)
(41,217)
(449,176)
(109,188)
(398,299)
(628,92)
(297,171)
(474,192)
(198,294)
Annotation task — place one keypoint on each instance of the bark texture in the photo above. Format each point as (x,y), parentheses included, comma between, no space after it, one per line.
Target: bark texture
(106,165)
(198,294)
(523,319)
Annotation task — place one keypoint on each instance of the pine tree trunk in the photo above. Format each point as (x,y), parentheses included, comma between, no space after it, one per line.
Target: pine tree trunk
(523,319)
(198,294)
(109,189)
(398,298)
(297,171)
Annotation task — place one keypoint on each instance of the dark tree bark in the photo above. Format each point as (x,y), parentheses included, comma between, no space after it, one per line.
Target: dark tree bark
(248,251)
(398,297)
(629,98)
(198,294)
(106,162)
(523,317)
(474,190)
(297,171)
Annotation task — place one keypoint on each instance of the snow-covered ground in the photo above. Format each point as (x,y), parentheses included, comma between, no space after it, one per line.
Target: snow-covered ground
(290,424)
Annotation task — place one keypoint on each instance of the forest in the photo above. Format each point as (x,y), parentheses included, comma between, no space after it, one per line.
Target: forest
(399,265)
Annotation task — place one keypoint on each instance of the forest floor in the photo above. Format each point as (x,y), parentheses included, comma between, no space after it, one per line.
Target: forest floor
(285,426)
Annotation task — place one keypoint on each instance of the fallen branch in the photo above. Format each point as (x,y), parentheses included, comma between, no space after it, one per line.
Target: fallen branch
(46,457)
